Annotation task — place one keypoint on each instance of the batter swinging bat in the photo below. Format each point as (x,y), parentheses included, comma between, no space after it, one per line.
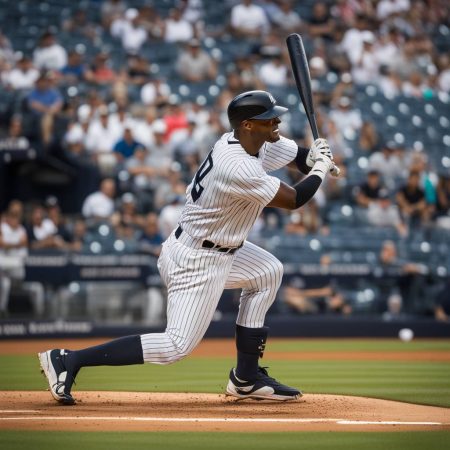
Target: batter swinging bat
(300,70)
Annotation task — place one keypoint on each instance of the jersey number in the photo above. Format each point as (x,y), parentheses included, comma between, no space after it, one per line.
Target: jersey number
(202,171)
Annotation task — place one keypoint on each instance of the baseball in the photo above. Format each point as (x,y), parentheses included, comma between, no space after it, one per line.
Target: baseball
(406,334)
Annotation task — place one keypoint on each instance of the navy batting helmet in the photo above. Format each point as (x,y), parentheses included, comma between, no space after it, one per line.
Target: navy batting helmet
(253,105)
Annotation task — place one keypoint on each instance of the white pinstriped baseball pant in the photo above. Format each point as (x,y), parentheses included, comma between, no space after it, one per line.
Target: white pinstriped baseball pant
(195,279)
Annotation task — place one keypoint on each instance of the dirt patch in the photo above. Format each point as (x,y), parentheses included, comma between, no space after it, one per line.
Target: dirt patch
(132,411)
(225,348)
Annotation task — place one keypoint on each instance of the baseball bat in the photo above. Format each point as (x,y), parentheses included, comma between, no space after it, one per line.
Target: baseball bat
(302,77)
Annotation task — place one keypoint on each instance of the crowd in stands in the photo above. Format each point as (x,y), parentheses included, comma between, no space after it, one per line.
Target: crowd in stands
(136,92)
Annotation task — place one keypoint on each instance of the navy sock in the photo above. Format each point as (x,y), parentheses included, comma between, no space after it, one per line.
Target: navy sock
(250,343)
(119,352)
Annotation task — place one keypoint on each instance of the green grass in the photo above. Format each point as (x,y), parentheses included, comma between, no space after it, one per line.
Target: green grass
(38,440)
(416,382)
(367,345)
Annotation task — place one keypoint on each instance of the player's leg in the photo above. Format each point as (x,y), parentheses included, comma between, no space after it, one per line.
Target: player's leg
(259,274)
(195,281)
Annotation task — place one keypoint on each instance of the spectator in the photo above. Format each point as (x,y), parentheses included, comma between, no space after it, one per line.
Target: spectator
(389,82)
(444,73)
(127,213)
(415,86)
(388,164)
(143,128)
(352,42)
(346,118)
(443,201)
(382,213)
(49,55)
(6,50)
(370,190)
(192,10)
(77,237)
(366,66)
(42,232)
(402,282)
(411,201)
(386,8)
(177,29)
(79,25)
(54,213)
(316,296)
(132,34)
(13,250)
(111,10)
(100,205)
(175,118)
(23,75)
(321,24)
(76,70)
(368,138)
(155,93)
(285,18)
(138,73)
(102,73)
(46,102)
(151,240)
(100,140)
(194,64)
(274,72)
(126,146)
(248,20)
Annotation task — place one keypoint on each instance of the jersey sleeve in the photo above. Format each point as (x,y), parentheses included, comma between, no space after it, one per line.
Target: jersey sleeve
(251,182)
(279,154)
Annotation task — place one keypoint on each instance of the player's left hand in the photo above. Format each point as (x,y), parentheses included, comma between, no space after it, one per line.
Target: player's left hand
(319,147)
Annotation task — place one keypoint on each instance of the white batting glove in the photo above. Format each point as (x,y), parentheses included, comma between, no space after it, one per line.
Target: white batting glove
(322,166)
(319,147)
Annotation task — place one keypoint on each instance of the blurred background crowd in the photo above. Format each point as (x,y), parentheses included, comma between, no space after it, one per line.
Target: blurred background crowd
(108,107)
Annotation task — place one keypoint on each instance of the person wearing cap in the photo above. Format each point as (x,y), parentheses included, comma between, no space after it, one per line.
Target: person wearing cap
(346,117)
(194,64)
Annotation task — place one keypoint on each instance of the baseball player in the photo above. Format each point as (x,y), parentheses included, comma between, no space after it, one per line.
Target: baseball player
(208,253)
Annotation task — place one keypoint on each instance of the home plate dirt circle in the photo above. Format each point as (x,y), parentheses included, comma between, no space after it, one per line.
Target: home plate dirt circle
(139,411)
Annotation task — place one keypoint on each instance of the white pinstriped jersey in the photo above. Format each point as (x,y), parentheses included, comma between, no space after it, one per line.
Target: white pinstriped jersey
(231,188)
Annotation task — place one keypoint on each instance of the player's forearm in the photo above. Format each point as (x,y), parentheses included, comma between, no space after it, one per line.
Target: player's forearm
(306,189)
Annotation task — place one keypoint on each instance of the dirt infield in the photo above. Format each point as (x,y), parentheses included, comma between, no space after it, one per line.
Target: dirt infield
(125,411)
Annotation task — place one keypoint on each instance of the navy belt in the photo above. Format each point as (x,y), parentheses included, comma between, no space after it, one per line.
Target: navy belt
(211,245)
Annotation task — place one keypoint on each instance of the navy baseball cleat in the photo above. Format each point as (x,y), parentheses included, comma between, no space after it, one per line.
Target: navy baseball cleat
(264,388)
(59,379)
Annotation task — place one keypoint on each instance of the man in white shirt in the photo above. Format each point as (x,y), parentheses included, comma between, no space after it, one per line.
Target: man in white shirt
(132,34)
(177,29)
(100,204)
(248,19)
(23,75)
(49,55)
(13,250)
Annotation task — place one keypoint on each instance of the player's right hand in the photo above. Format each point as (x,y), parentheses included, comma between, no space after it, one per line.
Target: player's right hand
(319,147)
(322,166)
